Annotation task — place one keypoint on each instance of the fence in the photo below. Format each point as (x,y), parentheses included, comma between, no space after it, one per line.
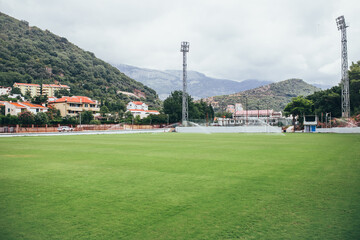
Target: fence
(87,127)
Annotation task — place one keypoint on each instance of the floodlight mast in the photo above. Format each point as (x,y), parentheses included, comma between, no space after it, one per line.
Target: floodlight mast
(345,92)
(184,50)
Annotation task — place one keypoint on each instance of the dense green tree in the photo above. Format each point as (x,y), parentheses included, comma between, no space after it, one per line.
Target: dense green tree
(62,92)
(15,90)
(299,107)
(41,118)
(128,117)
(69,120)
(53,114)
(354,76)
(86,117)
(26,118)
(223,114)
(2,110)
(327,101)
(9,120)
(27,95)
(157,119)
(104,110)
(41,99)
(173,107)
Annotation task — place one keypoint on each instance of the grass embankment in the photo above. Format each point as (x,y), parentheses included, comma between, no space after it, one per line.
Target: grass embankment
(180,186)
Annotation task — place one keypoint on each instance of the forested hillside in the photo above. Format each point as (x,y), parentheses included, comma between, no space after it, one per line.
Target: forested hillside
(29,54)
(273,96)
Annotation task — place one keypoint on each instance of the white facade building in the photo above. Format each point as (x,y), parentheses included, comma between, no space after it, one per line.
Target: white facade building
(140,109)
(14,108)
(5,90)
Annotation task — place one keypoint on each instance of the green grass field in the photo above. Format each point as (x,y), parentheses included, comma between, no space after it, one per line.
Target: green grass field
(180,186)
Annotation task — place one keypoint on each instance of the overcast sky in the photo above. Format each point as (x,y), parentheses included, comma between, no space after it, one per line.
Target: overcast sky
(233,39)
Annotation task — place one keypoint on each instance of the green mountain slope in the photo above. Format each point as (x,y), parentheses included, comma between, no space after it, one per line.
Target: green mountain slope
(29,54)
(273,96)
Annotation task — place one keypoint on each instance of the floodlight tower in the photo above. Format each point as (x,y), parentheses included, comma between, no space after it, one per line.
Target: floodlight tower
(345,93)
(184,50)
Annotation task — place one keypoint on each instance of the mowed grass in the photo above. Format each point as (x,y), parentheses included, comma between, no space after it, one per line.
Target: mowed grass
(180,186)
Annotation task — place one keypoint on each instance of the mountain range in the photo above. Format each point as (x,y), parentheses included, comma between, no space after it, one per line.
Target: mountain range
(198,85)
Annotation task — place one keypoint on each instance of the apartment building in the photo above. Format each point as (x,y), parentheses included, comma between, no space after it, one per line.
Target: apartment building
(74,105)
(35,89)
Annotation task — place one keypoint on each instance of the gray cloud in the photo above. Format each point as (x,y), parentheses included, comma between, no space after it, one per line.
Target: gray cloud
(268,40)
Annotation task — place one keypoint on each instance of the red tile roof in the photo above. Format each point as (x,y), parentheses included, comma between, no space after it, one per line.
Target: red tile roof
(74,99)
(142,110)
(27,84)
(17,105)
(152,111)
(56,85)
(254,112)
(136,110)
(31,105)
(138,103)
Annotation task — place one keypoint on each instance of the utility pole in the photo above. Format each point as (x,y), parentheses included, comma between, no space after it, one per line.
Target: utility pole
(184,50)
(345,92)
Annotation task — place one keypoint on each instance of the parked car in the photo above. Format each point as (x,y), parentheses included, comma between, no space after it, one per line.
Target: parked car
(65,129)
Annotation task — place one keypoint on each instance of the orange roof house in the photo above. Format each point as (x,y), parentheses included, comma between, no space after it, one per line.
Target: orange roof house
(14,108)
(74,105)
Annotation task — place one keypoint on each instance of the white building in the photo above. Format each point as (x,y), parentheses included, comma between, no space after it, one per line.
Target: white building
(310,123)
(5,90)
(14,108)
(140,109)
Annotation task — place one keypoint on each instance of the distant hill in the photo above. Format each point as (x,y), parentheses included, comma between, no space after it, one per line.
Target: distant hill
(199,85)
(29,54)
(273,96)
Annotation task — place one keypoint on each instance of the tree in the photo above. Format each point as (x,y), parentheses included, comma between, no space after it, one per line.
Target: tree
(15,90)
(103,110)
(299,106)
(2,110)
(137,119)
(40,99)
(26,118)
(224,114)
(41,118)
(86,117)
(173,107)
(62,92)
(27,94)
(354,76)
(9,120)
(327,101)
(128,117)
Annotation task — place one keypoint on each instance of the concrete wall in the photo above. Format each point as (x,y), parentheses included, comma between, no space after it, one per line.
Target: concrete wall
(339,130)
(240,129)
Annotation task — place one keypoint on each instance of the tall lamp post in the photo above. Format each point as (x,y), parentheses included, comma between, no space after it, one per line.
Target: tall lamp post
(184,50)
(345,93)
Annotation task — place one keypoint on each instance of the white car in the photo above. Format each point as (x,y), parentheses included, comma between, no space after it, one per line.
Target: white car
(65,129)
